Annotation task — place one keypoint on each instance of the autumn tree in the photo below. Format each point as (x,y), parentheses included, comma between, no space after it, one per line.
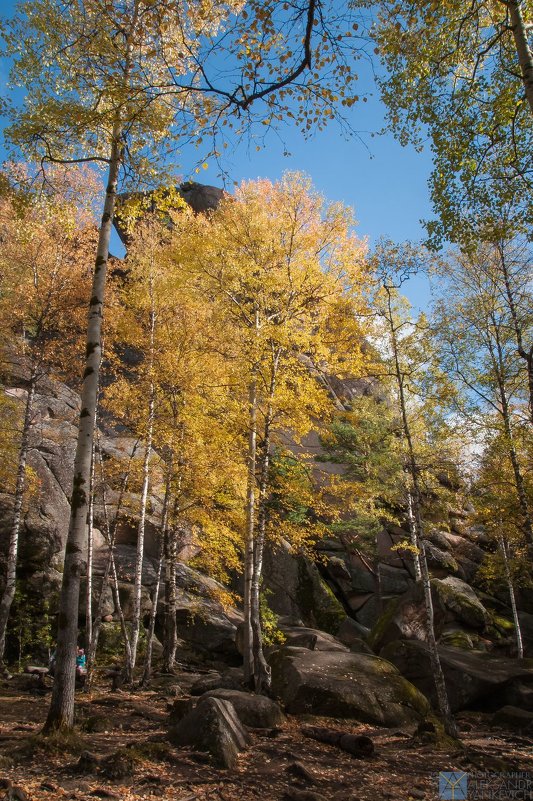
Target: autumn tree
(477,339)
(286,274)
(420,392)
(172,394)
(44,286)
(461,73)
(506,565)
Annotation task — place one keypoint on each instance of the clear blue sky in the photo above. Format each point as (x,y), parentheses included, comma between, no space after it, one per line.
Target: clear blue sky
(384,183)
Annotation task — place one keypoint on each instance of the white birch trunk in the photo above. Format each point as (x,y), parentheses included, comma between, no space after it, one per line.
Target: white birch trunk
(136,622)
(504,547)
(414,538)
(61,712)
(248,656)
(89,571)
(20,486)
(155,599)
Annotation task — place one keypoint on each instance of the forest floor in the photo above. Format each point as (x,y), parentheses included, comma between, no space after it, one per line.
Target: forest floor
(285,766)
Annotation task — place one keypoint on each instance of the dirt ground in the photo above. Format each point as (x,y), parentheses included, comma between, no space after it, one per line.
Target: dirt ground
(281,764)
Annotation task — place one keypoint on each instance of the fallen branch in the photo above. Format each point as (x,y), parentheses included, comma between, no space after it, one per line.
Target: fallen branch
(358,745)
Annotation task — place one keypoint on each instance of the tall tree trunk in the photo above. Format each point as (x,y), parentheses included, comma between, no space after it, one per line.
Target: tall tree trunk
(414,538)
(248,655)
(525,56)
(171,634)
(499,371)
(261,669)
(504,547)
(110,531)
(61,712)
(136,622)
(436,667)
(153,614)
(89,570)
(155,599)
(20,486)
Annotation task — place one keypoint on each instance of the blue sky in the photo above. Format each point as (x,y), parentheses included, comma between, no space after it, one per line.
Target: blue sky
(384,183)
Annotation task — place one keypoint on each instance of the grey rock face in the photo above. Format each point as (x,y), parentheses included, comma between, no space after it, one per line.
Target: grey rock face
(470,676)
(255,711)
(212,726)
(357,686)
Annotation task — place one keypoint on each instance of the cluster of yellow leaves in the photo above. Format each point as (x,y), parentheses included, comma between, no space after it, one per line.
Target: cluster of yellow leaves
(271,286)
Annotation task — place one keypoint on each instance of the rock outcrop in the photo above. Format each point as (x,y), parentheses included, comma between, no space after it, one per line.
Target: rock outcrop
(345,685)
(473,679)
(213,727)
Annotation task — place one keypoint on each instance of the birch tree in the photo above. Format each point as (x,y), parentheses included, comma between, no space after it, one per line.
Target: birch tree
(286,273)
(393,266)
(43,290)
(478,345)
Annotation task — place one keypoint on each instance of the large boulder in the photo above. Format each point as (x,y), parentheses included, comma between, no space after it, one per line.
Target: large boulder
(313,639)
(255,711)
(405,618)
(461,601)
(296,589)
(471,676)
(344,685)
(212,726)
(203,620)
(232,679)
(455,605)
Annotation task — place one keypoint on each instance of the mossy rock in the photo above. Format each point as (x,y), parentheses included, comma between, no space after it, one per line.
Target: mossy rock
(316,600)
(457,638)
(345,685)
(503,624)
(378,633)
(461,601)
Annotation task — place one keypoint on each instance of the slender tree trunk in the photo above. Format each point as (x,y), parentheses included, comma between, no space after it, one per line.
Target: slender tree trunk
(504,547)
(92,648)
(128,668)
(110,532)
(20,486)
(436,667)
(499,370)
(89,571)
(171,633)
(414,538)
(248,655)
(153,614)
(262,672)
(136,623)
(61,712)
(525,56)
(155,599)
